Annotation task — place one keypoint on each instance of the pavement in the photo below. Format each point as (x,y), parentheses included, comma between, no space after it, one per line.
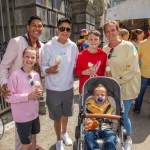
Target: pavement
(46,139)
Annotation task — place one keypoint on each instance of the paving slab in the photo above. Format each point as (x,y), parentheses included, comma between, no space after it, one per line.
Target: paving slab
(46,139)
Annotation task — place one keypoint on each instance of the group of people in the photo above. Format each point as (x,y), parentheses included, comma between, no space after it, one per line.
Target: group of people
(120,63)
(142,47)
(17,77)
(58,59)
(19,74)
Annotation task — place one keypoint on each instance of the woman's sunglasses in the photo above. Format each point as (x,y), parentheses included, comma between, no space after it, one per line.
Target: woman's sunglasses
(30,80)
(63,29)
(110,53)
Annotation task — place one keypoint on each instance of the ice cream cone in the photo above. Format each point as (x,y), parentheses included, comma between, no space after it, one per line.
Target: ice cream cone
(58,60)
(108,68)
(37,86)
(90,65)
(108,71)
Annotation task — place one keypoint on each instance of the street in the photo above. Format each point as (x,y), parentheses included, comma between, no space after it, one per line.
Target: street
(46,139)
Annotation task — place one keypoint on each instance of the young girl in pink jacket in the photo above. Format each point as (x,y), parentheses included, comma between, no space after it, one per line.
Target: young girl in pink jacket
(23,84)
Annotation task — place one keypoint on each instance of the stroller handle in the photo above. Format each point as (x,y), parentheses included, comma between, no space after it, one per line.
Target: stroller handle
(116,117)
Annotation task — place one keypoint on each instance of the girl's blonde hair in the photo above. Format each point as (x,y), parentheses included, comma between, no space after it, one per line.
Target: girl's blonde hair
(36,67)
(31,48)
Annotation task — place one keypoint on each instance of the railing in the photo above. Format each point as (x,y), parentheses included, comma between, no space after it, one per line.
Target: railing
(7,20)
(4,106)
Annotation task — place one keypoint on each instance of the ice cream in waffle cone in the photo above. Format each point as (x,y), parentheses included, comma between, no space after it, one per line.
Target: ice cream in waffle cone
(58,60)
(37,86)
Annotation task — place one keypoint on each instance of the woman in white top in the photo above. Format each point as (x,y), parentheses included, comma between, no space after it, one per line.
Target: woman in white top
(123,66)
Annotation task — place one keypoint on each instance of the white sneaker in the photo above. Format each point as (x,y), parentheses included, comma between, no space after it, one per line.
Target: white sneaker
(128,145)
(65,137)
(59,145)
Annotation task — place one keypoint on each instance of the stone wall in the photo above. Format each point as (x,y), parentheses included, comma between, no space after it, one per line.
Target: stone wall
(49,11)
(84,14)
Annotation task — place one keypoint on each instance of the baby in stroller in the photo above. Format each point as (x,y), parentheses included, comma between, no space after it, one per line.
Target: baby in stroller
(99,104)
(107,109)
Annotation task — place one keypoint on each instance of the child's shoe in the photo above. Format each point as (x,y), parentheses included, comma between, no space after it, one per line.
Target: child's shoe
(128,145)
(65,137)
(59,145)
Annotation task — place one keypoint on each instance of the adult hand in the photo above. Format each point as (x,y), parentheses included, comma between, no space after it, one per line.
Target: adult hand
(5,91)
(53,69)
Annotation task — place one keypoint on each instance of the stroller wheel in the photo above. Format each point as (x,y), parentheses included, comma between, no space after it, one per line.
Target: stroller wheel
(77,132)
(124,134)
(75,145)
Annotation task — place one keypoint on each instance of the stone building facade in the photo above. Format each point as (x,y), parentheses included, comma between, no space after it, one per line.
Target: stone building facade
(116,2)
(14,15)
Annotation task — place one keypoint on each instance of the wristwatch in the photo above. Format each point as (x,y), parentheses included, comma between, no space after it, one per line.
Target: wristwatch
(47,71)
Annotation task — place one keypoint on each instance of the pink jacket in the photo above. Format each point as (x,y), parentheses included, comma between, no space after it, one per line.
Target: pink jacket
(12,59)
(23,110)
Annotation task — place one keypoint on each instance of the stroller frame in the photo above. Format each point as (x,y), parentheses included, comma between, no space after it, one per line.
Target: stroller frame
(114,90)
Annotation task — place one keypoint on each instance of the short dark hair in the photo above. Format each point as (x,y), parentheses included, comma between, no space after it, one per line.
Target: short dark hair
(62,20)
(149,28)
(95,32)
(35,17)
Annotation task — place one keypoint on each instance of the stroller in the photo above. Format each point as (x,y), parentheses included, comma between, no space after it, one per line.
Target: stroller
(113,89)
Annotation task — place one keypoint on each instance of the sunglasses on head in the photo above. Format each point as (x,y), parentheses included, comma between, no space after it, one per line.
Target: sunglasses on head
(63,29)
(30,80)
(110,53)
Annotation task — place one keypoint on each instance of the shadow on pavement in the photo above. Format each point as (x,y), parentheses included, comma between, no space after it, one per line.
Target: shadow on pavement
(76,99)
(141,121)
(7,117)
(53,147)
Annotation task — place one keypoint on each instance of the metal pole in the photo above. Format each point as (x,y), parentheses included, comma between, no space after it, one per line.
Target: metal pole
(1,13)
(13,10)
(8,20)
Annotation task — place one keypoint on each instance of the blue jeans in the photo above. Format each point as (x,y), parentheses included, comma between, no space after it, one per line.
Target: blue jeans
(139,100)
(127,122)
(107,135)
